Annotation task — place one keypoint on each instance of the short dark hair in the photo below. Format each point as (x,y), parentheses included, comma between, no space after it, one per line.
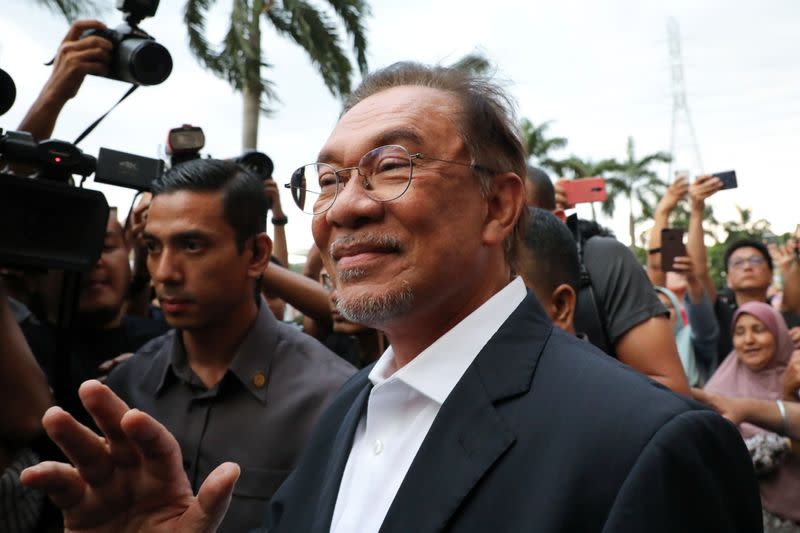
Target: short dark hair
(552,250)
(748,243)
(244,203)
(544,193)
(486,121)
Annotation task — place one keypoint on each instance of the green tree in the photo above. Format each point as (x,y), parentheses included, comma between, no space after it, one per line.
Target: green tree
(638,184)
(240,59)
(539,146)
(585,168)
(71,9)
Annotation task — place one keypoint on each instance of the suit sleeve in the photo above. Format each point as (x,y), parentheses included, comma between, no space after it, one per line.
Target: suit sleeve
(694,475)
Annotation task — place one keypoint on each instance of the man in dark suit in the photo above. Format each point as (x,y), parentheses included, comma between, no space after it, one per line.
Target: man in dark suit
(480,416)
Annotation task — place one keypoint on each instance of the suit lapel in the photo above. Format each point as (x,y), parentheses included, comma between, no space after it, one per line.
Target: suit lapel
(340,452)
(468,436)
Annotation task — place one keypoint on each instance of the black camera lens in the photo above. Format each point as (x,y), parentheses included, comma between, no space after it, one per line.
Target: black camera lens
(143,61)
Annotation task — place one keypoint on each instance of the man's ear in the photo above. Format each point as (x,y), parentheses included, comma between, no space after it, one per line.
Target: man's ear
(259,255)
(505,204)
(563,303)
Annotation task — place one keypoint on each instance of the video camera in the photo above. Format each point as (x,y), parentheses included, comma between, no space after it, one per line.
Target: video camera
(44,222)
(137,57)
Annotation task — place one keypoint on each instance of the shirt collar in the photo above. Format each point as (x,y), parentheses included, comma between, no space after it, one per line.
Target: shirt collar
(438,368)
(250,364)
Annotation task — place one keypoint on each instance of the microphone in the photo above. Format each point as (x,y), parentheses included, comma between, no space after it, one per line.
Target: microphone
(8,92)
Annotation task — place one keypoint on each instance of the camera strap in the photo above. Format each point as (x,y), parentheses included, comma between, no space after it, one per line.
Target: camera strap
(94,124)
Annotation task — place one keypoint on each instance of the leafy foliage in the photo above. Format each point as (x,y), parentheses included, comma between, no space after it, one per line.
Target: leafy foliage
(638,184)
(539,146)
(239,59)
(71,9)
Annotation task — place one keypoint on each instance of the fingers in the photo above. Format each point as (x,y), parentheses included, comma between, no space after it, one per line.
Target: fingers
(86,450)
(107,410)
(160,452)
(213,499)
(80,26)
(60,481)
(699,394)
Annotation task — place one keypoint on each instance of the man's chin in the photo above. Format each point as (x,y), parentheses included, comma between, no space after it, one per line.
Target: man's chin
(373,306)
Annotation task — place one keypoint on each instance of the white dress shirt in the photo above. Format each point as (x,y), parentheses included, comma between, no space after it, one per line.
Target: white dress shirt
(401,408)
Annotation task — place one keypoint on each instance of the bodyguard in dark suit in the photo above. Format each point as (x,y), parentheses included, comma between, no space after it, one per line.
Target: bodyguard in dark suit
(480,416)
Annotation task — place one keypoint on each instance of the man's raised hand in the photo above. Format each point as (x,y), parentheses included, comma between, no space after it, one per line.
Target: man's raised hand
(132,480)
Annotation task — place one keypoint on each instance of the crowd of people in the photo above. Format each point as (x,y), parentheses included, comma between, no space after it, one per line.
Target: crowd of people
(470,357)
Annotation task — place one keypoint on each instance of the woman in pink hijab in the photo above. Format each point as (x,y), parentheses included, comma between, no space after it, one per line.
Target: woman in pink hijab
(762,348)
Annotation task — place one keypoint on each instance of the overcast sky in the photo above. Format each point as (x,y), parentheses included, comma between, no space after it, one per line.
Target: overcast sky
(600,70)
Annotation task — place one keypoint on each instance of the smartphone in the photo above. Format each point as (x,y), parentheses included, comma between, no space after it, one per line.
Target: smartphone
(585,190)
(728,179)
(671,247)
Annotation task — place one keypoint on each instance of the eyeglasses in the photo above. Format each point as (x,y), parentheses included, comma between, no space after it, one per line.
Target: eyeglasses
(384,174)
(754,261)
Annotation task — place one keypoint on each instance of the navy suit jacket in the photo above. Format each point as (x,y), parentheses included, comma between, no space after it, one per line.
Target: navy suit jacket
(542,433)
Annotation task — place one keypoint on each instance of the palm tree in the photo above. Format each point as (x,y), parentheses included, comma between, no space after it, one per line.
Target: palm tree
(71,9)
(635,181)
(586,168)
(240,60)
(539,145)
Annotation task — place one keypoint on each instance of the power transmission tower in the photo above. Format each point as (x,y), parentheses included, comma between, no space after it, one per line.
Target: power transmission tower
(683,145)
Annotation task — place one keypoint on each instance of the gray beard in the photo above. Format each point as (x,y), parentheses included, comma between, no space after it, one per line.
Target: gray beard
(373,310)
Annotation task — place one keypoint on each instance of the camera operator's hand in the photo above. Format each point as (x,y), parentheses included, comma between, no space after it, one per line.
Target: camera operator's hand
(130,481)
(75,59)
(702,188)
(676,192)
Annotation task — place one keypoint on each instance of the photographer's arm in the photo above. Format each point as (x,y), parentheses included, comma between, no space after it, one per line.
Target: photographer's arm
(302,293)
(75,59)
(25,392)
(279,246)
(676,191)
(700,190)
(762,413)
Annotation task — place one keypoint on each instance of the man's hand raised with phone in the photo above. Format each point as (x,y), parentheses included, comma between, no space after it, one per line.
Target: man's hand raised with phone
(702,188)
(130,480)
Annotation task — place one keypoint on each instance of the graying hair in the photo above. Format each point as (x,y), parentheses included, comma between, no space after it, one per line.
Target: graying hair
(487,123)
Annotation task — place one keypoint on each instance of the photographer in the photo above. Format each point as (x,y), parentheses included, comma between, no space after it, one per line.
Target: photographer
(101,330)
(75,59)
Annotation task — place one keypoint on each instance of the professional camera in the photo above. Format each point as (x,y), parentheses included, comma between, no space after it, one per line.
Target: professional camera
(45,223)
(137,57)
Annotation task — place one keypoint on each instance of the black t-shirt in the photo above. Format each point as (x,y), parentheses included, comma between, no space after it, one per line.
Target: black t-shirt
(622,290)
(88,348)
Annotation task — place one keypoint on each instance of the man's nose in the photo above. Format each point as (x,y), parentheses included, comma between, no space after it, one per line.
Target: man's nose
(353,207)
(166,268)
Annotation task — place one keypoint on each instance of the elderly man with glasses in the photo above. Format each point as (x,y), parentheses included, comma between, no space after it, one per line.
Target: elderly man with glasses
(481,415)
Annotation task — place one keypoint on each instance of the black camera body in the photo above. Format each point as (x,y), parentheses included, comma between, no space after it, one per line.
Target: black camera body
(136,57)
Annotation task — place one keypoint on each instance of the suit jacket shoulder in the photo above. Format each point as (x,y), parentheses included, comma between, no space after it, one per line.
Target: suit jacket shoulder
(543,433)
